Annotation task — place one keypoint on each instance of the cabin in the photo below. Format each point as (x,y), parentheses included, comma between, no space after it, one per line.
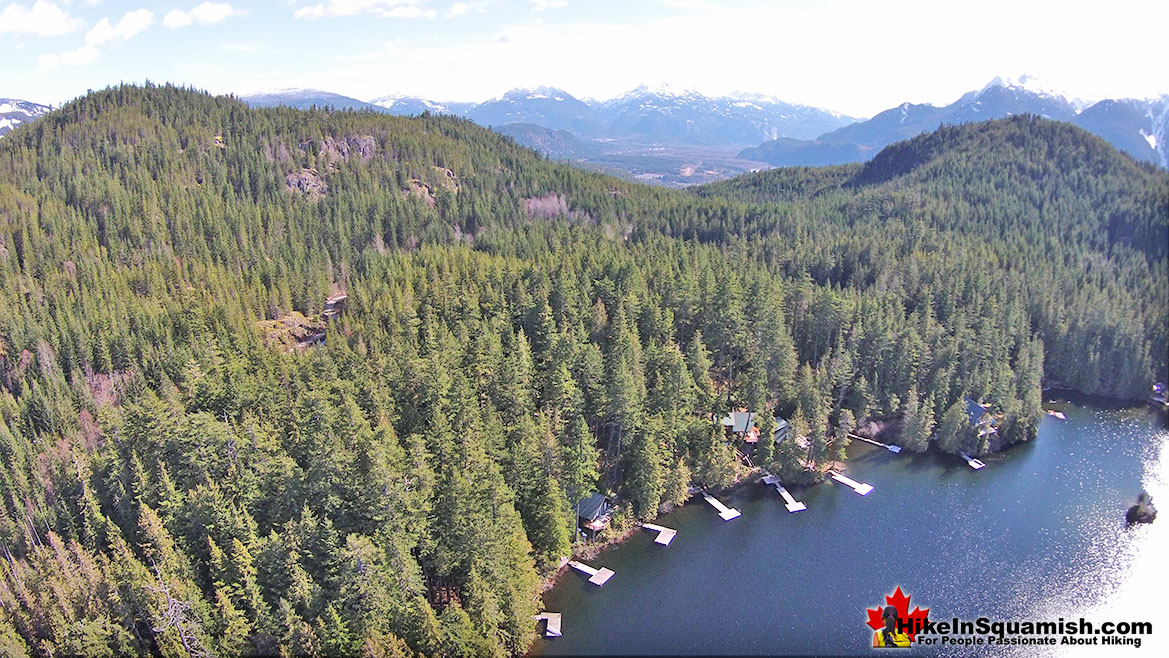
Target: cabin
(594,512)
(980,418)
(783,430)
(742,424)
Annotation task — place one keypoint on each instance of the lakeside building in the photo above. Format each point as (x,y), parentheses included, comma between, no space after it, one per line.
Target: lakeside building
(742,424)
(594,512)
(980,418)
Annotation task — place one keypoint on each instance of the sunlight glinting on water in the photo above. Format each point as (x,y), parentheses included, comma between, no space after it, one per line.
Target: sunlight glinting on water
(1124,576)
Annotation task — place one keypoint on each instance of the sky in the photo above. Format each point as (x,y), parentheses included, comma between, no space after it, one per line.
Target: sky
(850,56)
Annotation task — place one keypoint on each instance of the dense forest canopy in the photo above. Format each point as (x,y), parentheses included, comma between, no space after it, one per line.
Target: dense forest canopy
(193,461)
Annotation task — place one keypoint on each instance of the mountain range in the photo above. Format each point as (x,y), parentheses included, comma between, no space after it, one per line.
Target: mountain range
(657,115)
(1137,127)
(661,134)
(682,137)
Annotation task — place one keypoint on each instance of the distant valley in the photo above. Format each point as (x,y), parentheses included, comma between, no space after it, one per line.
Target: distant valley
(682,138)
(664,136)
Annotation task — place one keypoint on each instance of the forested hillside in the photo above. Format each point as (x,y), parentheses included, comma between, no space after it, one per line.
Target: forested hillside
(1023,213)
(180,477)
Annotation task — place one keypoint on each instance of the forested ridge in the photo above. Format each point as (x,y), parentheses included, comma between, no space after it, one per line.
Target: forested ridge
(179,481)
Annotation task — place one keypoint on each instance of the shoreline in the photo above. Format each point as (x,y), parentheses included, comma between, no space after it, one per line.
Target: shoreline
(593,550)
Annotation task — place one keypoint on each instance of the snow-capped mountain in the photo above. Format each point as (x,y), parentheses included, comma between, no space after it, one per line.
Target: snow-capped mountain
(303,99)
(686,116)
(1005,97)
(1122,123)
(1137,127)
(1036,86)
(661,114)
(414,105)
(14,112)
(548,107)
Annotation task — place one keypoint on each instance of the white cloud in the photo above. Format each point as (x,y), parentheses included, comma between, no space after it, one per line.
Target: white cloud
(43,18)
(208,13)
(458,9)
(104,33)
(177,18)
(541,5)
(79,57)
(382,8)
(132,24)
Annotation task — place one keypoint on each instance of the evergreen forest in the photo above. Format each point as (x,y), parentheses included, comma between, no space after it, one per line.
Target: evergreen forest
(329,383)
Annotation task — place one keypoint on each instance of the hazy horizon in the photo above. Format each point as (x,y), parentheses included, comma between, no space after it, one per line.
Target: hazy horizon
(853,58)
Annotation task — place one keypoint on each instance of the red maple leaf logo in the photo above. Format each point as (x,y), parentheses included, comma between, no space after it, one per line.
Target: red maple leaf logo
(900,601)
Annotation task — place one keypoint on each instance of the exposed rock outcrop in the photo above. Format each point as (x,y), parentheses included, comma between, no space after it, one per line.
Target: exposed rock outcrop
(308,182)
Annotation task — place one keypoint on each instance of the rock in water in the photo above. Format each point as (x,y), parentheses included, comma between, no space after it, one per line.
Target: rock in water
(1142,512)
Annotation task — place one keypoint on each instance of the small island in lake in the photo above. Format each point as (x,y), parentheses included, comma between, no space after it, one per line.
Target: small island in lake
(1142,512)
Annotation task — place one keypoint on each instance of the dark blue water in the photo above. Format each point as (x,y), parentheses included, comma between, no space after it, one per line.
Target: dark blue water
(1039,530)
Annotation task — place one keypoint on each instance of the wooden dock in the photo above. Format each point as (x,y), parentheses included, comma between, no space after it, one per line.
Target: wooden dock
(792,504)
(597,577)
(665,535)
(972,462)
(859,487)
(724,512)
(888,446)
(552,623)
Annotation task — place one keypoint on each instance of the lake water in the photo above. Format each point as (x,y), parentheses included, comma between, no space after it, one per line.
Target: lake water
(1037,533)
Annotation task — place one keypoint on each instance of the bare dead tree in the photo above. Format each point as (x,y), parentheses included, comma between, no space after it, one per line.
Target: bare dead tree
(176,615)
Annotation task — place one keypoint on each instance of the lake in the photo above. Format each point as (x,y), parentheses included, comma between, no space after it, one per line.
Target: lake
(1039,532)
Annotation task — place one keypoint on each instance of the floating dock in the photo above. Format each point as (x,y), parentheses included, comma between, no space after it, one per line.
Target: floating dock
(665,535)
(726,513)
(972,462)
(792,504)
(597,577)
(859,487)
(552,625)
(888,446)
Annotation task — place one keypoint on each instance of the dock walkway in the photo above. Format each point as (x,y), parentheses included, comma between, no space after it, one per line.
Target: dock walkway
(552,627)
(859,487)
(888,446)
(724,512)
(972,462)
(665,535)
(792,504)
(597,577)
